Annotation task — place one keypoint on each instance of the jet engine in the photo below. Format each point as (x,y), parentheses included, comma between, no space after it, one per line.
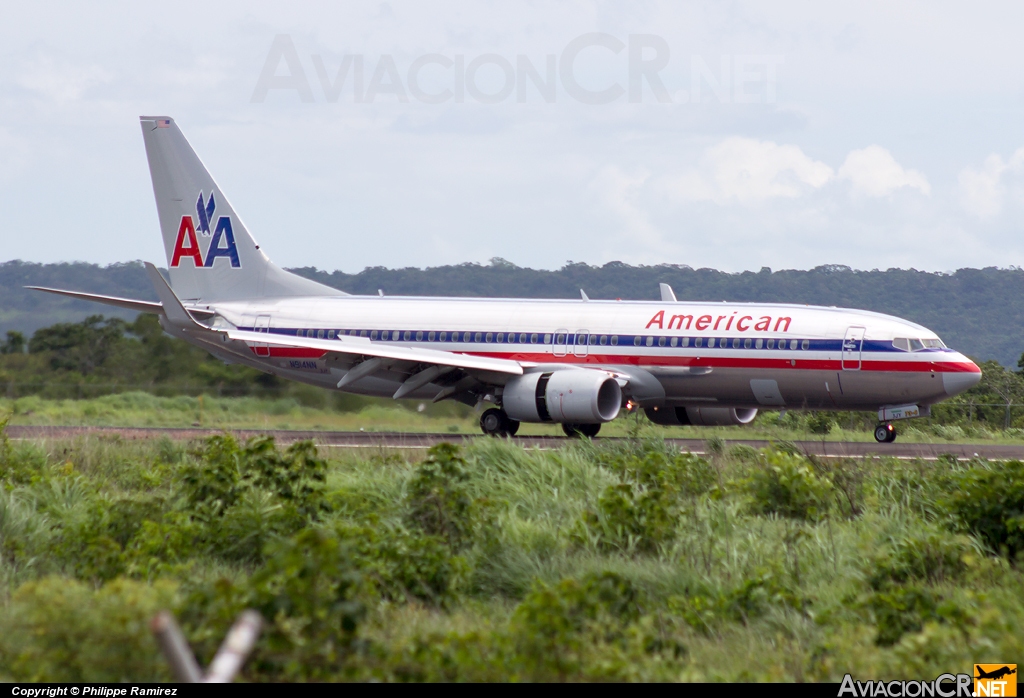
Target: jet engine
(573,396)
(700,416)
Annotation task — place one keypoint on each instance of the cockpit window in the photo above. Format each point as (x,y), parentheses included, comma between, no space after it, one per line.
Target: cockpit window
(911,344)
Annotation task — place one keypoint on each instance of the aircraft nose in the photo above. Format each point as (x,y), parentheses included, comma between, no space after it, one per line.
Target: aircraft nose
(958,382)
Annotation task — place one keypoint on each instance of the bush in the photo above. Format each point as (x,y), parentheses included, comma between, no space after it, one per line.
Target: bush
(307,593)
(921,557)
(57,629)
(752,598)
(988,501)
(820,422)
(404,565)
(903,610)
(555,626)
(437,499)
(787,485)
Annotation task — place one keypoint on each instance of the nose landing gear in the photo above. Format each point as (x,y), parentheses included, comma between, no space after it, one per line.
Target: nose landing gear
(495,422)
(885,433)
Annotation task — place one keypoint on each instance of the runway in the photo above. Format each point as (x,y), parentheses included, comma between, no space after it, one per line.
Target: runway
(393,440)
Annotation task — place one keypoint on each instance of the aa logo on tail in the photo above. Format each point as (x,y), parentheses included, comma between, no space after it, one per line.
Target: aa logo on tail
(221,244)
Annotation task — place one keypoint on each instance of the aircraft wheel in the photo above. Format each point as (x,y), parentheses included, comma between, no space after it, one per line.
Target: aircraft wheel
(581,430)
(885,433)
(495,422)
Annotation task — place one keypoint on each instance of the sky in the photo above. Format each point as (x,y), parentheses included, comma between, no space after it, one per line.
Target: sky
(732,135)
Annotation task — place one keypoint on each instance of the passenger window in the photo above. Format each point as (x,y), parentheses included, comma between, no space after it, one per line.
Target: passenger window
(711,342)
(615,340)
(758,343)
(771,343)
(806,344)
(320,334)
(547,339)
(636,341)
(698,342)
(747,343)
(501,338)
(675,341)
(373,335)
(604,339)
(650,341)
(559,338)
(686,341)
(533,338)
(362,333)
(901,343)
(736,343)
(793,344)
(593,340)
(916,345)
(430,337)
(489,337)
(443,337)
(661,341)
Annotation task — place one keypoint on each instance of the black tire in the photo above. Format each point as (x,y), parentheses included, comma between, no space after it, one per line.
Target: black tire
(493,422)
(885,434)
(512,426)
(576,431)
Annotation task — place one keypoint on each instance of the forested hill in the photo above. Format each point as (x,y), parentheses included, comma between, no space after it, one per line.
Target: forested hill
(979,311)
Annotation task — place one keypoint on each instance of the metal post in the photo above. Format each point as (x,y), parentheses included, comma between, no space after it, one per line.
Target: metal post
(236,647)
(175,648)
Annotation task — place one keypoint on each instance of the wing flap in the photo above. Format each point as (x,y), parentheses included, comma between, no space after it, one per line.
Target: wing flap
(359,346)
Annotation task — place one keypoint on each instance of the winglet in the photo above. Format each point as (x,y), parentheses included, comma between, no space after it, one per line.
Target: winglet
(583,295)
(667,294)
(172,307)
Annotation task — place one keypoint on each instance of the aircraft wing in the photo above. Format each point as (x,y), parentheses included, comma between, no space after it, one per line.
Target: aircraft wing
(360,346)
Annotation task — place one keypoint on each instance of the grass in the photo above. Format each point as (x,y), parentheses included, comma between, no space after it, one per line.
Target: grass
(623,560)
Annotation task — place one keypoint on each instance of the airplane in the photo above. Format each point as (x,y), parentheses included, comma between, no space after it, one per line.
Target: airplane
(577,363)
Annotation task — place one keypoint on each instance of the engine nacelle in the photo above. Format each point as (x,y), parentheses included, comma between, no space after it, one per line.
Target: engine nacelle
(573,396)
(700,416)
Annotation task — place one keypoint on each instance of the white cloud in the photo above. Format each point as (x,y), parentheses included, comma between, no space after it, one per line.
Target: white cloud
(982,190)
(619,191)
(873,171)
(750,172)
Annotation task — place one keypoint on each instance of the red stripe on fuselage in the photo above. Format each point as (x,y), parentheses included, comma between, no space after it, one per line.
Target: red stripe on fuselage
(289,352)
(733,362)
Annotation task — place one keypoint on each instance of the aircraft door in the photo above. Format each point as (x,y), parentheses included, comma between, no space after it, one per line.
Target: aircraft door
(560,346)
(262,324)
(580,348)
(853,345)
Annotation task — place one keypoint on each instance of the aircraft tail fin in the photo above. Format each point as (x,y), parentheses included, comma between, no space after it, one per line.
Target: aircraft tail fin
(210,254)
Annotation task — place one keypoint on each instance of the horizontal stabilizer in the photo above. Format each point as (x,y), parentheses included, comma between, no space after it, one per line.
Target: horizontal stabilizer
(127,303)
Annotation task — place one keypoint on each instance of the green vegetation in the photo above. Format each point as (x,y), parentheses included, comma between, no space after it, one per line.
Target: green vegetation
(622,560)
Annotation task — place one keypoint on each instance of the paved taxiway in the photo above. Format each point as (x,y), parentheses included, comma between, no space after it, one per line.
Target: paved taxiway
(361,439)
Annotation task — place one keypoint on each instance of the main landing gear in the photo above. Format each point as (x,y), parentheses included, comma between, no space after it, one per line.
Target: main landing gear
(575,431)
(495,422)
(885,433)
